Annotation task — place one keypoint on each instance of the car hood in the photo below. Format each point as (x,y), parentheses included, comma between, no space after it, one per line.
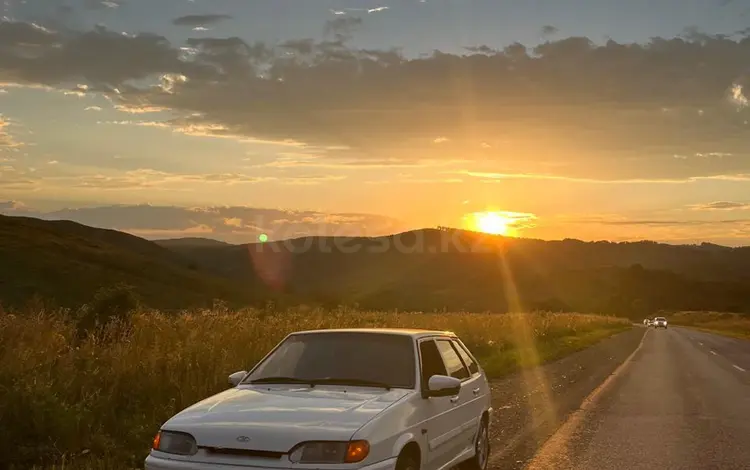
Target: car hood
(276,418)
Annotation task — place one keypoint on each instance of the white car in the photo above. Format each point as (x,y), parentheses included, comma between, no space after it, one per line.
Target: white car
(660,322)
(342,399)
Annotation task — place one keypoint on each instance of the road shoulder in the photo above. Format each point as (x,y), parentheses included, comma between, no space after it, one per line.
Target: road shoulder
(531,405)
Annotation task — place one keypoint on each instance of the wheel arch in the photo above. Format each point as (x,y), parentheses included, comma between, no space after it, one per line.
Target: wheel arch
(408,444)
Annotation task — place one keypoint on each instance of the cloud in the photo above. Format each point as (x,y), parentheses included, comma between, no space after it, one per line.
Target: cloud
(621,220)
(488,177)
(100,4)
(232,224)
(200,20)
(722,206)
(12,206)
(136,109)
(342,26)
(605,111)
(105,59)
(58,176)
(151,179)
(286,160)
(13,179)
(549,30)
(726,231)
(6,139)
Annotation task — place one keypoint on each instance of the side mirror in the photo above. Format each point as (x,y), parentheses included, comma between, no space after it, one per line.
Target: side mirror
(235,378)
(443,386)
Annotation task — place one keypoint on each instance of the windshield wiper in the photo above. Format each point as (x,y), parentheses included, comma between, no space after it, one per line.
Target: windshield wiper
(281,380)
(349,381)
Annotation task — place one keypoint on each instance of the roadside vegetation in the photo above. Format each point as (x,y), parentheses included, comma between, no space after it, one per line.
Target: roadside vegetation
(89,389)
(727,324)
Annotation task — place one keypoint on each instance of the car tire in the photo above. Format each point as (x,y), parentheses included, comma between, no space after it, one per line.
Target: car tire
(406,462)
(481,449)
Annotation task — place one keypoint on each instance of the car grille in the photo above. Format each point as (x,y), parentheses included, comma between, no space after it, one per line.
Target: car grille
(262,454)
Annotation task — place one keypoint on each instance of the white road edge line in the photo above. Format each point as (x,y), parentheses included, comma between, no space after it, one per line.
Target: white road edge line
(714,353)
(556,445)
(738,368)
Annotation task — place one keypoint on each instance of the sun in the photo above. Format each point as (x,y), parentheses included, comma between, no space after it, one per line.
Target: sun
(506,223)
(492,223)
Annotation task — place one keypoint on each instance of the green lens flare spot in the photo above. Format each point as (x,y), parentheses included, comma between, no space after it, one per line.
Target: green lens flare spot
(263,237)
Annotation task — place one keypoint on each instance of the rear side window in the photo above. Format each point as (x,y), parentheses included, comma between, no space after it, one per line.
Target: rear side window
(452,361)
(473,367)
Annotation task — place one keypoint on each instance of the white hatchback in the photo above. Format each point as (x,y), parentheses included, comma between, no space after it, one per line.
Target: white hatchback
(340,399)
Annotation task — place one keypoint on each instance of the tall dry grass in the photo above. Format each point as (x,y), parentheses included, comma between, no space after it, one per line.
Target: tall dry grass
(99,400)
(730,324)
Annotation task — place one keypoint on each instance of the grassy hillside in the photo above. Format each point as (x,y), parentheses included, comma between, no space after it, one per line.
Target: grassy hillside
(98,403)
(68,262)
(432,269)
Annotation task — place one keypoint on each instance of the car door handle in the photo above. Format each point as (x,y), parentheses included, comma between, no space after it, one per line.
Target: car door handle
(455,399)
(476,391)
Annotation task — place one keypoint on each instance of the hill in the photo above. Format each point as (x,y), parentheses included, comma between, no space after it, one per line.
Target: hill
(68,262)
(421,270)
(459,270)
(190,242)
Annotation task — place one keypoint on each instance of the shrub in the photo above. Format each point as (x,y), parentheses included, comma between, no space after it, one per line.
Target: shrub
(115,303)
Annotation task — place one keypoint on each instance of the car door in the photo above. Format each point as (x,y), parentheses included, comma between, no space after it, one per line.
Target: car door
(476,389)
(441,419)
(465,408)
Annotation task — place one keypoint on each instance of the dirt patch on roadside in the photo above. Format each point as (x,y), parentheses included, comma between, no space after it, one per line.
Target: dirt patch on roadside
(530,405)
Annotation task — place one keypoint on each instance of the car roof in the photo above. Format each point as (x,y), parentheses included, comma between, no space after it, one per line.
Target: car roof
(413,332)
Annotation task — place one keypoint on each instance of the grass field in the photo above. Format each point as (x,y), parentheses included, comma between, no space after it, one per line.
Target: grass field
(97,402)
(727,324)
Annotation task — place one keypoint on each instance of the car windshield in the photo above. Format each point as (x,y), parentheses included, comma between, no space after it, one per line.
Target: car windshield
(661,319)
(340,358)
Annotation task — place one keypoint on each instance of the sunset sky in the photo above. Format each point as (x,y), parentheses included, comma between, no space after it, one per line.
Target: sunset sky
(590,119)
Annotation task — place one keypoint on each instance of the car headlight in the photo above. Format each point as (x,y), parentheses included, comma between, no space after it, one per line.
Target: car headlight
(175,443)
(324,452)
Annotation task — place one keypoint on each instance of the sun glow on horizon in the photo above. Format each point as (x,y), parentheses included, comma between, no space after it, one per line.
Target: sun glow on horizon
(493,223)
(497,222)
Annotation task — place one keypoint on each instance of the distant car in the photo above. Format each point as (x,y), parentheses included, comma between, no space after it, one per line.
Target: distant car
(374,399)
(660,322)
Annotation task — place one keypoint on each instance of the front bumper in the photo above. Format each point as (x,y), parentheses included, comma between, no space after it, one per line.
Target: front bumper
(159,463)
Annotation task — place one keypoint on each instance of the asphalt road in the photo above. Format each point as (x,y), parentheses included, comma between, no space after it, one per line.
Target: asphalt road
(531,405)
(681,401)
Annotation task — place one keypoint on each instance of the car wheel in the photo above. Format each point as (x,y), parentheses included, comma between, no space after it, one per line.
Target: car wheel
(406,462)
(481,449)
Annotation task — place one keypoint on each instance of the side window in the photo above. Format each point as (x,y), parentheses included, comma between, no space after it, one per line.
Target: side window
(452,362)
(473,368)
(432,362)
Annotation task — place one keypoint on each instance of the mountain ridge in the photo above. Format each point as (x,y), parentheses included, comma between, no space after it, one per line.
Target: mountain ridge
(429,269)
